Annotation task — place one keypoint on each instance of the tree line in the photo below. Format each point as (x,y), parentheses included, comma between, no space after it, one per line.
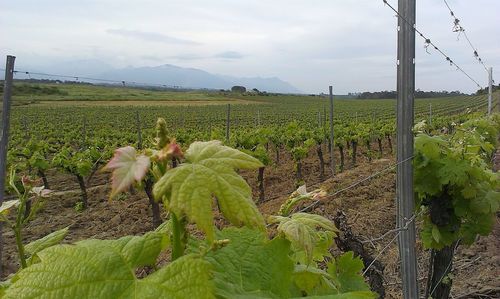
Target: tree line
(392,94)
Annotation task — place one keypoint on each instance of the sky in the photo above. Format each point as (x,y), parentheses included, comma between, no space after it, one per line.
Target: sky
(310,43)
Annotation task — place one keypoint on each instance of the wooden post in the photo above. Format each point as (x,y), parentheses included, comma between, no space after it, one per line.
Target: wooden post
(4,143)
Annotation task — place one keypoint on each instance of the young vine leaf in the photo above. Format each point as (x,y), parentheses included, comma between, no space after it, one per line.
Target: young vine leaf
(251,266)
(345,272)
(46,242)
(299,196)
(105,269)
(312,281)
(127,168)
(301,230)
(208,172)
(455,186)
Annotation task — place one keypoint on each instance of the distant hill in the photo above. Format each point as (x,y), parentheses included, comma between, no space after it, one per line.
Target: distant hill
(195,78)
(167,74)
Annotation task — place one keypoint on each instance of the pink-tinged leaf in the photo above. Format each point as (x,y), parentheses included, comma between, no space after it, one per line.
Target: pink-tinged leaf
(171,150)
(175,150)
(127,168)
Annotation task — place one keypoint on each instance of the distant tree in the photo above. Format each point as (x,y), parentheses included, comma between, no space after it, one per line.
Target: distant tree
(238,89)
(485,90)
(418,94)
(255,90)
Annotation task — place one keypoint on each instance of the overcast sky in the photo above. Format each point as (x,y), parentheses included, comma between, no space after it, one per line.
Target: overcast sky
(310,43)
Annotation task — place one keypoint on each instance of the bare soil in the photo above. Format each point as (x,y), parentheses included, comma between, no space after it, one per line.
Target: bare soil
(370,210)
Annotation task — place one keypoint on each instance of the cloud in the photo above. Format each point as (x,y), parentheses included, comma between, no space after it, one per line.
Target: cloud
(311,44)
(152,37)
(229,55)
(187,56)
(192,56)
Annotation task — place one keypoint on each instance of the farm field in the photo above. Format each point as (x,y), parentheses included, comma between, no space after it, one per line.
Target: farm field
(367,210)
(67,137)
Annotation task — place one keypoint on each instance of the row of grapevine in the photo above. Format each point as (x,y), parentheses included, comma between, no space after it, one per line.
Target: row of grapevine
(81,147)
(296,262)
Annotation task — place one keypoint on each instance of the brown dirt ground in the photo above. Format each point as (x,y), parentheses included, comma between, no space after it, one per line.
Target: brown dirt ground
(370,208)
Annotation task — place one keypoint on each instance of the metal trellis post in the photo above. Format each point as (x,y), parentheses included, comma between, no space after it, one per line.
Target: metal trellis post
(7,92)
(405,120)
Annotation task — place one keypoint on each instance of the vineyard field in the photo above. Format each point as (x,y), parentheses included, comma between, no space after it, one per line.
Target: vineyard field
(66,136)
(105,108)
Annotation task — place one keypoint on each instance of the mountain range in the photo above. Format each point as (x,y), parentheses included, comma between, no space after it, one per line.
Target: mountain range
(167,74)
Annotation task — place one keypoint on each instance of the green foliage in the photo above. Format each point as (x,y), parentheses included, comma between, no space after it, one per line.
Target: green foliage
(342,279)
(455,185)
(253,144)
(33,194)
(188,190)
(232,263)
(35,89)
(79,207)
(302,231)
(251,266)
(299,196)
(47,241)
(298,140)
(105,269)
(77,163)
(345,273)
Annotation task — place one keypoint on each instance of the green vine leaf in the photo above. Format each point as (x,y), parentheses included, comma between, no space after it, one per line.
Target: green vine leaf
(455,185)
(208,173)
(313,281)
(105,269)
(348,295)
(47,241)
(301,230)
(486,204)
(436,234)
(127,168)
(251,266)
(298,196)
(345,271)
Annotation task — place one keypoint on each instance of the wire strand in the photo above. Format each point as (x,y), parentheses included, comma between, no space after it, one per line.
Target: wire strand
(388,168)
(429,42)
(457,27)
(79,78)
